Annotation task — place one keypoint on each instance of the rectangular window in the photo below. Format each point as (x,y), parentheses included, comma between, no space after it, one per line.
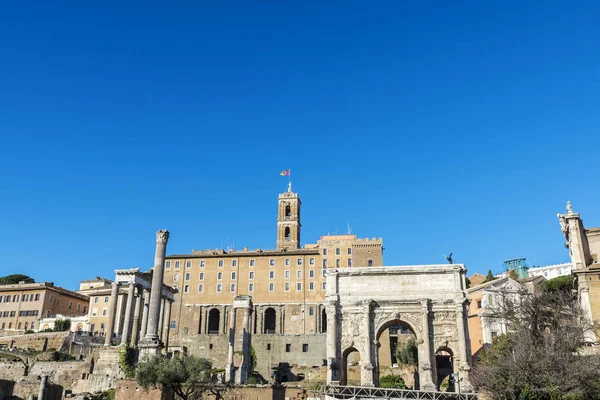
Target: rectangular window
(233,276)
(202,263)
(19,326)
(271,274)
(349,250)
(175,277)
(299,274)
(104,311)
(252,263)
(311,261)
(337,252)
(337,262)
(188,264)
(311,311)
(25,297)
(324,252)
(324,272)
(494,335)
(187,276)
(200,288)
(287,286)
(251,287)
(201,276)
(84,308)
(96,300)
(70,305)
(78,307)
(299,286)
(287,274)
(173,324)
(305,348)
(12,313)
(268,346)
(186,288)
(349,263)
(220,263)
(15,298)
(311,273)
(287,261)
(176,264)
(311,286)
(324,263)
(232,287)
(106,299)
(219,287)
(324,285)
(299,261)
(220,276)
(168,264)
(7,299)
(272,262)
(251,275)
(288,347)
(271,287)
(234,263)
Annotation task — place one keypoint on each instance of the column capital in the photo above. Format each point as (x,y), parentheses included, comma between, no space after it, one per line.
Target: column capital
(162,236)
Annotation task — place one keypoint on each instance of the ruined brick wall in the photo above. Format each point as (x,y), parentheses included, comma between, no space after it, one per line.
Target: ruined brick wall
(36,341)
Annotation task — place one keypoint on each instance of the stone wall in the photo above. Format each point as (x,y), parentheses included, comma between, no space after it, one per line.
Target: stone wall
(129,390)
(36,341)
(270,351)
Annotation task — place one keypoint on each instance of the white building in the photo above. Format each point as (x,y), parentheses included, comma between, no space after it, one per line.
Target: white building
(78,324)
(551,271)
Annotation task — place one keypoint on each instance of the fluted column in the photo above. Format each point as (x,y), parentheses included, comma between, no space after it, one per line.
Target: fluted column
(128,307)
(158,271)
(332,356)
(136,318)
(465,383)
(425,374)
(168,305)
(367,362)
(161,319)
(229,367)
(112,312)
(145,306)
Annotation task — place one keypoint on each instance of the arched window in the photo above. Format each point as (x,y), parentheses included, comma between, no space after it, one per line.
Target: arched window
(370,263)
(287,232)
(214,318)
(288,210)
(270,318)
(323,321)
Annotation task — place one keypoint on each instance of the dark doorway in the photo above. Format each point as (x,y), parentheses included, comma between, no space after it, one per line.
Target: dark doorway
(214,318)
(323,321)
(270,319)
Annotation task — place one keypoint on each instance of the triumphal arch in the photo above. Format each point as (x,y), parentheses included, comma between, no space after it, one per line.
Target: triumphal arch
(431,301)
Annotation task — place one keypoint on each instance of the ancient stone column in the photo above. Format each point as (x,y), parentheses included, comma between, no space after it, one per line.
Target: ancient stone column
(245,348)
(425,375)
(145,305)
(43,384)
(162,237)
(465,384)
(332,356)
(127,322)
(367,362)
(229,368)
(136,318)
(112,313)
(168,305)
(161,321)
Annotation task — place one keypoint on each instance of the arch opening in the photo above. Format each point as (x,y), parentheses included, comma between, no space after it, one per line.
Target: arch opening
(288,210)
(351,374)
(270,320)
(397,352)
(324,321)
(214,319)
(444,362)
(287,232)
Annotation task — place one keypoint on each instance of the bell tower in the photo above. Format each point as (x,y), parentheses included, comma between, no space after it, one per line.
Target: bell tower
(288,220)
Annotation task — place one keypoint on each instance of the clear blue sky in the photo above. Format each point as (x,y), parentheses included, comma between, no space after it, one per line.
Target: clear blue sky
(439,126)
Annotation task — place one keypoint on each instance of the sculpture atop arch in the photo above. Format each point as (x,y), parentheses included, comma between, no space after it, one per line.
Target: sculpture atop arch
(430,300)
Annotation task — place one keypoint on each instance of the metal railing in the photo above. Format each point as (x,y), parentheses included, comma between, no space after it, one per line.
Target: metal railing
(360,392)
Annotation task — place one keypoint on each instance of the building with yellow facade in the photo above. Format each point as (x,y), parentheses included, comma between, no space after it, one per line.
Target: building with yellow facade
(287,286)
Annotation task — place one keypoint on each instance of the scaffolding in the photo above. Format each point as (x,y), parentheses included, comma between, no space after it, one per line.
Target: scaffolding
(519,265)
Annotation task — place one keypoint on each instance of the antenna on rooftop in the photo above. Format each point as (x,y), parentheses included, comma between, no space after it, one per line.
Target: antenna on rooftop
(349,228)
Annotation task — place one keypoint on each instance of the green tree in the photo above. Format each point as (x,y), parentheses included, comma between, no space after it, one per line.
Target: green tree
(189,378)
(558,284)
(392,381)
(14,279)
(468,281)
(407,354)
(61,325)
(544,356)
(490,277)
